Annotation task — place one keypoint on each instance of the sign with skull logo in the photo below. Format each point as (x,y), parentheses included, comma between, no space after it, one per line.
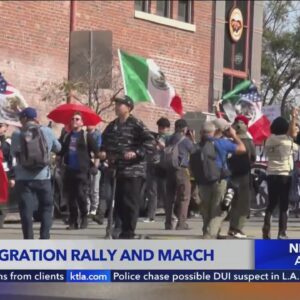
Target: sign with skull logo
(235,24)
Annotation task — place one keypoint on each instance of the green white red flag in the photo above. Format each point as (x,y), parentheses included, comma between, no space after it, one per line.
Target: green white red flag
(145,82)
(244,99)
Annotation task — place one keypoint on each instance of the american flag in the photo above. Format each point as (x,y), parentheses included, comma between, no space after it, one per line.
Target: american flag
(251,94)
(5,87)
(11,102)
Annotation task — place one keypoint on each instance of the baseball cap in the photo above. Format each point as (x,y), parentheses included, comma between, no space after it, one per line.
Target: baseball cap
(28,112)
(221,124)
(126,100)
(208,127)
(242,118)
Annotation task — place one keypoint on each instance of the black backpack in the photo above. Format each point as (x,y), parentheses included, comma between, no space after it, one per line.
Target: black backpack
(169,158)
(203,164)
(34,153)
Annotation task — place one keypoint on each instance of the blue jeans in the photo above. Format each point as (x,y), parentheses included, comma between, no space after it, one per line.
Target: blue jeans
(35,194)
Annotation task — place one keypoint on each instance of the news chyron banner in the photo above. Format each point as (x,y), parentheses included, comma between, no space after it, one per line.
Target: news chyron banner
(107,261)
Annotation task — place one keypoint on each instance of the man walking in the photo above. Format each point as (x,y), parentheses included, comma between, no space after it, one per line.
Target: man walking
(178,181)
(156,176)
(125,143)
(95,174)
(31,146)
(222,140)
(76,149)
(240,167)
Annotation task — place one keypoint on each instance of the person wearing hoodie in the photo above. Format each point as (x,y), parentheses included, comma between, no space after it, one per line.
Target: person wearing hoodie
(279,150)
(240,167)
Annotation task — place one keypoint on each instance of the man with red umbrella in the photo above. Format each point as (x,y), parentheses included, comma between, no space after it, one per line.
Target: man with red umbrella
(127,141)
(77,146)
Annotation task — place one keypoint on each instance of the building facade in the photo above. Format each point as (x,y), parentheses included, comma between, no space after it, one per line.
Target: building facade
(188,39)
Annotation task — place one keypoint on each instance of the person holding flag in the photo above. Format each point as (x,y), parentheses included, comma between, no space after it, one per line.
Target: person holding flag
(245,100)
(7,164)
(11,103)
(240,168)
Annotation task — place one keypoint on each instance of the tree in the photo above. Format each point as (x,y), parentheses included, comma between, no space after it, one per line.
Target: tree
(281,53)
(86,89)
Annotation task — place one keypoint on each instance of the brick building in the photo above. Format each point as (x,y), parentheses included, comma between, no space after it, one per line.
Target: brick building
(188,39)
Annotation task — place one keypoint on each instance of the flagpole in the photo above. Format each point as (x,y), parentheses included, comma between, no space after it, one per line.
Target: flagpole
(122,71)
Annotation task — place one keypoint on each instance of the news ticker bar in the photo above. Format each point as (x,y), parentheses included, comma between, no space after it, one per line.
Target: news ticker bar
(150,255)
(110,276)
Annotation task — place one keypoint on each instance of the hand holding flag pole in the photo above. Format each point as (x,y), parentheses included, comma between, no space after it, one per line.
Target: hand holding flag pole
(244,99)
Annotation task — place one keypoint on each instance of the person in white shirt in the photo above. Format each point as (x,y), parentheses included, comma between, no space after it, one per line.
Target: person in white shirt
(279,148)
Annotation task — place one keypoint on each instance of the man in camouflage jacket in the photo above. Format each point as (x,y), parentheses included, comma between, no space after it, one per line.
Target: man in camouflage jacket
(125,143)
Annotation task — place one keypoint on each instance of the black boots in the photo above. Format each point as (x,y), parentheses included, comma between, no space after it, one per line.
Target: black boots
(283,217)
(266,235)
(266,230)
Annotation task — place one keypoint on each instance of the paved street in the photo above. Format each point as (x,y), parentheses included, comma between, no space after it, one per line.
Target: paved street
(130,291)
(12,229)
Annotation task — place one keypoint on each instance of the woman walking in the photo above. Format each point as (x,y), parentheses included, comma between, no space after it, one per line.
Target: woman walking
(279,150)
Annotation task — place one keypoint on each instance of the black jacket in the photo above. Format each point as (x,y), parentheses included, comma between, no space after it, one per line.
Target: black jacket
(240,165)
(85,145)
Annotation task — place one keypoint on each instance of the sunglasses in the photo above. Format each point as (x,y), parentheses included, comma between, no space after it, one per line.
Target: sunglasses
(76,119)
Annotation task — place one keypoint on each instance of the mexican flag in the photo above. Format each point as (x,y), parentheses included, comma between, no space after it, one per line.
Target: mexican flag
(145,82)
(11,103)
(244,99)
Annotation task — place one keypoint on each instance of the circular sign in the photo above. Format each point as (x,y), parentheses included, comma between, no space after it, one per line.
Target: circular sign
(238,59)
(236,24)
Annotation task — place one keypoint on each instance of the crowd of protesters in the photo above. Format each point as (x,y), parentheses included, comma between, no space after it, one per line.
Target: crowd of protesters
(179,172)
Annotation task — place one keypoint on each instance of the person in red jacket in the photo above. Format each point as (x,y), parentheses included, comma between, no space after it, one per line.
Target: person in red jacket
(4,182)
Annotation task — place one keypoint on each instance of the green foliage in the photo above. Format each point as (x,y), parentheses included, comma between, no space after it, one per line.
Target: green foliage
(281,53)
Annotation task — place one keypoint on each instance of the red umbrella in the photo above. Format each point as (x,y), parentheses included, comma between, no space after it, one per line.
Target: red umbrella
(64,113)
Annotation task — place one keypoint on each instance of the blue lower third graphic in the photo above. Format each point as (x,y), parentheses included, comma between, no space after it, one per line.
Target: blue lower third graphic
(88,276)
(277,255)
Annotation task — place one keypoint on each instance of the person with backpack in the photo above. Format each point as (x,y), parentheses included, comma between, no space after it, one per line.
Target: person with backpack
(125,143)
(209,168)
(176,156)
(156,176)
(77,146)
(240,168)
(31,145)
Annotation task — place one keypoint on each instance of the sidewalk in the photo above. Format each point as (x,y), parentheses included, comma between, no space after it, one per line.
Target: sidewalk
(12,230)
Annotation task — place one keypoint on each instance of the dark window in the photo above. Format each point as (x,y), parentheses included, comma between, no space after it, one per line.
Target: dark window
(237,55)
(239,58)
(243,6)
(229,5)
(185,11)
(163,8)
(227,49)
(91,56)
(142,5)
(227,83)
